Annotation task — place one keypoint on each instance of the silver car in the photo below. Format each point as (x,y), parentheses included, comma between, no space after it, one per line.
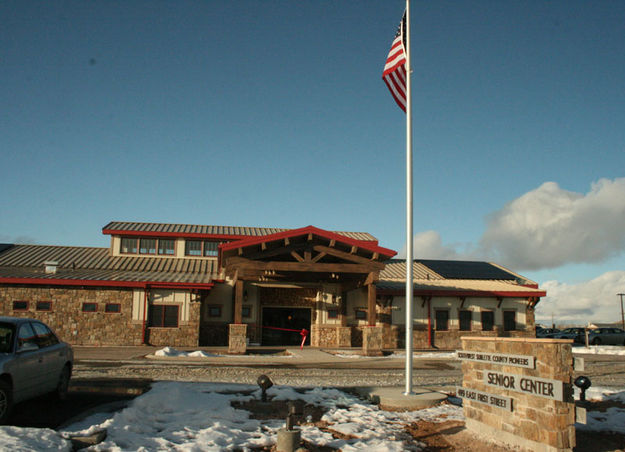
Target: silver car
(33,362)
(604,336)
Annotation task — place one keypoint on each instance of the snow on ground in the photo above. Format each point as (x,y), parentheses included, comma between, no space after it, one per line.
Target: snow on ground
(600,350)
(199,416)
(171,352)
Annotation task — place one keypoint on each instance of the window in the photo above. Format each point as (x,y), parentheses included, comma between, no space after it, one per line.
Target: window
(509,320)
(333,313)
(147,246)
(211,248)
(113,308)
(26,336)
(164,315)
(361,314)
(89,307)
(44,306)
(246,311)
(215,311)
(488,320)
(166,247)
(129,245)
(442,320)
(45,337)
(20,305)
(464,318)
(193,248)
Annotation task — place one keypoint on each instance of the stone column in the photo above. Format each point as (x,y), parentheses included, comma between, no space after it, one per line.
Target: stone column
(343,336)
(237,339)
(372,341)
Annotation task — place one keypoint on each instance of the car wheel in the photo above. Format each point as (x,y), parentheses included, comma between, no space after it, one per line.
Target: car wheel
(596,341)
(6,401)
(63,384)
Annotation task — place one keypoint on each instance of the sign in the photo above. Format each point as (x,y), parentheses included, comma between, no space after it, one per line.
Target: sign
(484,397)
(503,359)
(543,387)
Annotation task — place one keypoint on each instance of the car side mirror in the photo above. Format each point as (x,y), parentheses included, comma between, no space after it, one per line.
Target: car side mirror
(28,347)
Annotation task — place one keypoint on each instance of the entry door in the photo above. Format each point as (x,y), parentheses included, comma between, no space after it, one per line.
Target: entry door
(282,326)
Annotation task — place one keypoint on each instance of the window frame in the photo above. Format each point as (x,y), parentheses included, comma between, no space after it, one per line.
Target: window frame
(505,321)
(248,308)
(173,247)
(333,314)
(483,314)
(49,309)
(219,311)
(436,319)
(460,312)
(84,303)
(118,307)
(121,245)
(147,253)
(360,314)
(20,309)
(163,317)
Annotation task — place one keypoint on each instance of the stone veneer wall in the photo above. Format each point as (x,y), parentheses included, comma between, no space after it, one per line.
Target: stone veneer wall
(537,423)
(67,319)
(450,340)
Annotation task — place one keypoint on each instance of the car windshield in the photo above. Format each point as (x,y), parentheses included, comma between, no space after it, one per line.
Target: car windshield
(6,337)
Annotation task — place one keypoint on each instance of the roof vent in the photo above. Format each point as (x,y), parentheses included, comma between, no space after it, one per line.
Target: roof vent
(50,267)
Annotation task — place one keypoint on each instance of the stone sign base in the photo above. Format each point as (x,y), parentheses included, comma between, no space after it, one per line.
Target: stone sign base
(237,339)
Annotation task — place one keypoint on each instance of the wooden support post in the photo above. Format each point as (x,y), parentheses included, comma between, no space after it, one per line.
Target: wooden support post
(371,295)
(238,302)
(343,309)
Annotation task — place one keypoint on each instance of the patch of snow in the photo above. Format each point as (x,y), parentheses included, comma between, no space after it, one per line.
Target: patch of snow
(600,350)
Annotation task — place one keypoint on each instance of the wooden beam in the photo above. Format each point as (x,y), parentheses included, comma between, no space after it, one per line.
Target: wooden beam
(297,257)
(371,313)
(287,242)
(332,243)
(310,237)
(500,300)
(238,302)
(354,249)
(242,263)
(462,300)
(348,256)
(375,256)
(307,256)
(263,246)
(318,257)
(372,278)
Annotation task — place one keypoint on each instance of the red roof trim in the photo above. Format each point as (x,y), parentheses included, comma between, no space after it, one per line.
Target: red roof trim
(250,241)
(105,283)
(463,293)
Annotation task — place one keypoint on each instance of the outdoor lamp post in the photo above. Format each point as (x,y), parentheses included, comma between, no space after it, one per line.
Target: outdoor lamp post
(622,314)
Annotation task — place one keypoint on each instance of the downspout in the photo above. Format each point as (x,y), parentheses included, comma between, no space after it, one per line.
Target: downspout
(429,323)
(145,314)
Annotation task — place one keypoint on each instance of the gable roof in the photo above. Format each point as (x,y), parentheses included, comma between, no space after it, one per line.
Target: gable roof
(380,253)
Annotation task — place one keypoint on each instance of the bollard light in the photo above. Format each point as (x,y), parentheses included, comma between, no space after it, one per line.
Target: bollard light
(582,383)
(265,383)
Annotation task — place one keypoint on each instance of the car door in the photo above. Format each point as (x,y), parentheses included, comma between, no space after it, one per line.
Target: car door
(52,357)
(26,367)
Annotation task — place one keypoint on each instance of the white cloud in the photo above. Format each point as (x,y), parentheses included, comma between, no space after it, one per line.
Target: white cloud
(589,301)
(548,227)
(428,245)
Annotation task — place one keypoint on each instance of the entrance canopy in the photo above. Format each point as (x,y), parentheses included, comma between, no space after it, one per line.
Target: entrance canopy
(308,254)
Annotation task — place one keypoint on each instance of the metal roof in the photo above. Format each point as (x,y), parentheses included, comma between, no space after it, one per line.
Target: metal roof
(183,230)
(81,263)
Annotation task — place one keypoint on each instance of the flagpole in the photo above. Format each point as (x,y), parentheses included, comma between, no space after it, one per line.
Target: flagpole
(409,252)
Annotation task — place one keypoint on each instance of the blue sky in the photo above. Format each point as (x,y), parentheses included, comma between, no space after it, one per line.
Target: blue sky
(273,113)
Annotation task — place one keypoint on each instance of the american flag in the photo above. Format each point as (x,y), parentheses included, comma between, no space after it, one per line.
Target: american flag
(394,74)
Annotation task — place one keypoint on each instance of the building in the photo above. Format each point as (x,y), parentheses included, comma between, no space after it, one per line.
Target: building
(190,285)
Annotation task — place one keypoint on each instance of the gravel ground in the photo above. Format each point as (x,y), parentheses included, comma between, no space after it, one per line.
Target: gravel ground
(603,371)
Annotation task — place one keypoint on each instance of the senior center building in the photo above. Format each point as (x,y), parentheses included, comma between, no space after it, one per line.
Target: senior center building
(195,285)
